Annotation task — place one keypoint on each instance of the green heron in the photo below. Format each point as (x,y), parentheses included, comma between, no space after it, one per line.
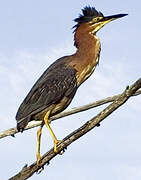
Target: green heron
(55,89)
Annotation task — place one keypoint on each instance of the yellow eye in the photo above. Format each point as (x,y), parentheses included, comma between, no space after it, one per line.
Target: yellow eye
(96,19)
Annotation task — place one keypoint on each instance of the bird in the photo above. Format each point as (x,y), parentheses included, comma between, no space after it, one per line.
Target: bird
(57,86)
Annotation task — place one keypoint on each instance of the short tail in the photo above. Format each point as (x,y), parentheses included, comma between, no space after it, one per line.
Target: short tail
(21,124)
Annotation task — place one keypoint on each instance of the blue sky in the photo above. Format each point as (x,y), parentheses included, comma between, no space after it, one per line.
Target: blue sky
(33,34)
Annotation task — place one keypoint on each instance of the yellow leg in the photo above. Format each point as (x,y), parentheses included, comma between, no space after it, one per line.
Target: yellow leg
(51,132)
(39,132)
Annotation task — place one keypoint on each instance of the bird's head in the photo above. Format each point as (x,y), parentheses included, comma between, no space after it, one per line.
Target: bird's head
(92,20)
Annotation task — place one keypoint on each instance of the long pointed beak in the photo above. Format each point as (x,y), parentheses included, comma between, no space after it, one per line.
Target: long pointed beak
(105,20)
(113,17)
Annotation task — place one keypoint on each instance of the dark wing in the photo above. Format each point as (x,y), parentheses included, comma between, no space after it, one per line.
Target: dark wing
(57,81)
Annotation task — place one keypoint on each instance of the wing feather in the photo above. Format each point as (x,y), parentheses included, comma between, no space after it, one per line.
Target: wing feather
(57,81)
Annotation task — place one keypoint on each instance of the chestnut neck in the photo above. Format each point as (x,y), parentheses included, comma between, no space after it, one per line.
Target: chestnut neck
(87,44)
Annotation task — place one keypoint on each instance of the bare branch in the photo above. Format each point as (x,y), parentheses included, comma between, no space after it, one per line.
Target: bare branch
(13,131)
(28,171)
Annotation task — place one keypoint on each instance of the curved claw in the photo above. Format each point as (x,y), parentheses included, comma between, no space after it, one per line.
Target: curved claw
(40,170)
(62,152)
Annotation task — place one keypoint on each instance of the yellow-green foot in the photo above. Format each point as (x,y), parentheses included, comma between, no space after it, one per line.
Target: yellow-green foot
(56,142)
(38,159)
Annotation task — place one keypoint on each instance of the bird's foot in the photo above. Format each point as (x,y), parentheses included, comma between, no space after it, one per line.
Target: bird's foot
(56,142)
(38,159)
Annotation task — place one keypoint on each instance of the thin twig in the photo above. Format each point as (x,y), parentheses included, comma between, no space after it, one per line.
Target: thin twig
(28,171)
(13,131)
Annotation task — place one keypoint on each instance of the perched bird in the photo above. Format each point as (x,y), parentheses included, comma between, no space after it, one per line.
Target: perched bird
(55,89)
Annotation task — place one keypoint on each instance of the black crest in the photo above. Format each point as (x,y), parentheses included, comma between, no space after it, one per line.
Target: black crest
(88,13)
